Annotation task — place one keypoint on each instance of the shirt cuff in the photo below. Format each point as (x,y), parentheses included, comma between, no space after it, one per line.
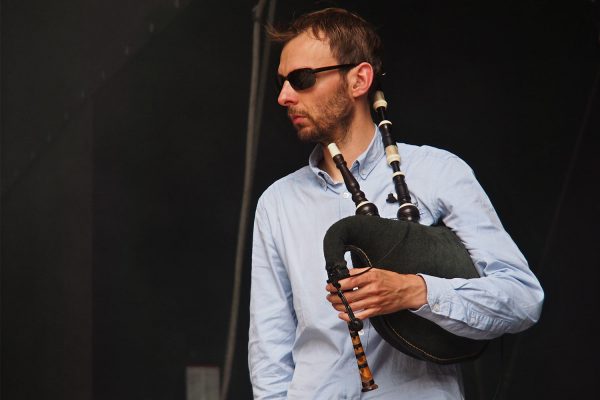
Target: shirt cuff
(449,311)
(438,303)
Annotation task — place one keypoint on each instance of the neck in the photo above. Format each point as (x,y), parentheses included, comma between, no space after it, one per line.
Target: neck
(355,143)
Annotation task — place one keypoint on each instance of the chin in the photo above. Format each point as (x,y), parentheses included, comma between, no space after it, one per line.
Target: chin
(305,134)
(309,137)
(308,134)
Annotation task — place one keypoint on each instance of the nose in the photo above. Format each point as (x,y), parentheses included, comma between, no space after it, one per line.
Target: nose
(287,96)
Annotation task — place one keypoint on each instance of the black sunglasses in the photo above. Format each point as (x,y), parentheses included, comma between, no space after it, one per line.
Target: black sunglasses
(304,78)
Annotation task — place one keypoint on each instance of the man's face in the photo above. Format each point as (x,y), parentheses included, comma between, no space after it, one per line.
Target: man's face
(323,112)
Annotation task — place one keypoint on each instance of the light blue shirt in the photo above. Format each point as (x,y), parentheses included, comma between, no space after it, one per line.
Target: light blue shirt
(300,349)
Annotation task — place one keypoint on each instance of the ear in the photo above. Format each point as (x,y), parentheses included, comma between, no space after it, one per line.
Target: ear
(360,79)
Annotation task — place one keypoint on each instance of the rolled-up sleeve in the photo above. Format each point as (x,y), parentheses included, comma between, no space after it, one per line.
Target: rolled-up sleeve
(507,298)
(272,317)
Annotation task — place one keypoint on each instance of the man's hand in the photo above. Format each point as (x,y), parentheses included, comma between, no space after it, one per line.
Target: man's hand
(378,292)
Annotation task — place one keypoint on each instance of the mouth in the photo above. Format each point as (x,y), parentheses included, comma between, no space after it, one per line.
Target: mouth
(297,118)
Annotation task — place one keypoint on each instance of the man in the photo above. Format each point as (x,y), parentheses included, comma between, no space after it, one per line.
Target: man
(299,348)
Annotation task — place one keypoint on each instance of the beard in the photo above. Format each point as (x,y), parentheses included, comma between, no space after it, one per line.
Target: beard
(329,123)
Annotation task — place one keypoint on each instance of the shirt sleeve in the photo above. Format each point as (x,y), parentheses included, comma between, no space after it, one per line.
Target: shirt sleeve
(507,298)
(272,318)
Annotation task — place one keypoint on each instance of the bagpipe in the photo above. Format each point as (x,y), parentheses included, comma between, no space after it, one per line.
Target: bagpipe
(401,245)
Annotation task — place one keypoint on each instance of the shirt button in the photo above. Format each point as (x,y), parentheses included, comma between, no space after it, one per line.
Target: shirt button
(345,195)
(436,307)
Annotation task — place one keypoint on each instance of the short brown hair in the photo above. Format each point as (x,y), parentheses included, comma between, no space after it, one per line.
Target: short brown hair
(351,38)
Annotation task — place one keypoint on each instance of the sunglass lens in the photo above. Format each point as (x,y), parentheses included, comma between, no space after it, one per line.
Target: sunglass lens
(301,79)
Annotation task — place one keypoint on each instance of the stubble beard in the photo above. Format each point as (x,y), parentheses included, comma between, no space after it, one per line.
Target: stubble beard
(331,124)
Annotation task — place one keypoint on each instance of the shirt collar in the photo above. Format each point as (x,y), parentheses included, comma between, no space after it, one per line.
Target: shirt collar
(365,162)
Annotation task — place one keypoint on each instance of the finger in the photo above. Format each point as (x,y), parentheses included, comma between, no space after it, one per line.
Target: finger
(348,284)
(333,298)
(366,304)
(357,278)
(330,288)
(360,293)
(343,316)
(362,315)
(339,307)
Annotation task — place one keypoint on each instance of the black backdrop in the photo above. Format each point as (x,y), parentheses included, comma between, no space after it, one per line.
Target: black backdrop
(121,200)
